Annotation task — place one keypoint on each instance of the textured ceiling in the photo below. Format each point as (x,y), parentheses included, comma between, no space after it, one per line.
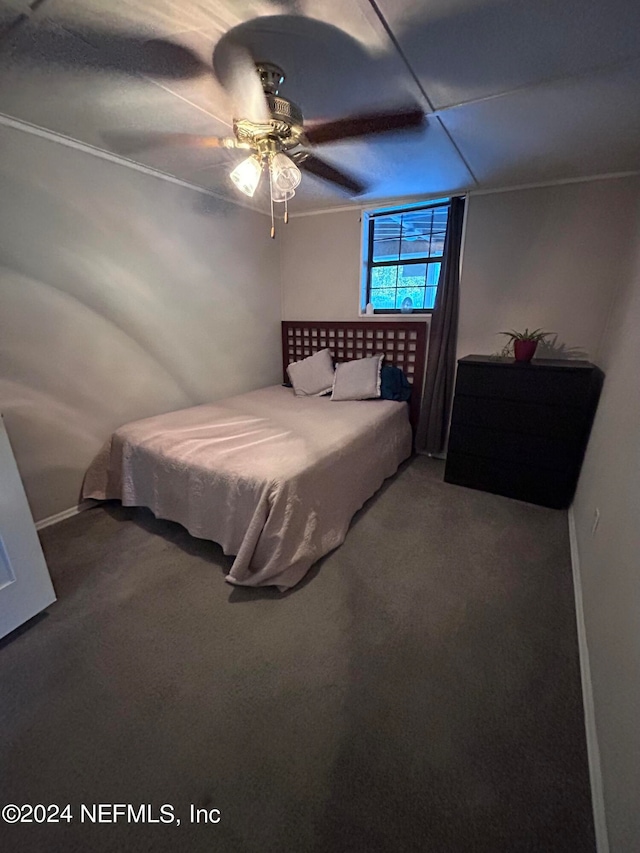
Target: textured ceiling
(515,91)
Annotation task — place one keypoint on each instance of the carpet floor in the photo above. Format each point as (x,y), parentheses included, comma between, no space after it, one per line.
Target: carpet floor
(418,691)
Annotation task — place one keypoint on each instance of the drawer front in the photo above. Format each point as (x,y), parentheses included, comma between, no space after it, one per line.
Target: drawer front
(561,422)
(523,482)
(560,455)
(566,386)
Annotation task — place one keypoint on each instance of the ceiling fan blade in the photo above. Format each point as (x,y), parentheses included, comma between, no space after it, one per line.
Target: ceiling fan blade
(364,125)
(321,169)
(88,48)
(236,70)
(131,143)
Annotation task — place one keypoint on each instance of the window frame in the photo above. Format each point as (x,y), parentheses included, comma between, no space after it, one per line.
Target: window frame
(369,218)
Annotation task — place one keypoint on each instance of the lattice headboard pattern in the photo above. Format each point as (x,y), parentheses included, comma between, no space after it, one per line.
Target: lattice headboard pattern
(403,344)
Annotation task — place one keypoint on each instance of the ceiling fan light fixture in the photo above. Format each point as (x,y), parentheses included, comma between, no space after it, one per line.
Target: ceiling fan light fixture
(281,196)
(285,177)
(246,175)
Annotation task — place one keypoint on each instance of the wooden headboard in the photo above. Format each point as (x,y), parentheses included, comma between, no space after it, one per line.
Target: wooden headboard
(404,345)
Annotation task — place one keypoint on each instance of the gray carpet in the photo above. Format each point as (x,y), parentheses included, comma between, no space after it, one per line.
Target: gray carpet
(419,691)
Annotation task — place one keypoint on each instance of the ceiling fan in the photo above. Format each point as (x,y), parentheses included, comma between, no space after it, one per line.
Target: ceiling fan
(272,130)
(266,124)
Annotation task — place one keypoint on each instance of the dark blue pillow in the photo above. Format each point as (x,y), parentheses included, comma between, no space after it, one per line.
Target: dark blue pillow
(394,385)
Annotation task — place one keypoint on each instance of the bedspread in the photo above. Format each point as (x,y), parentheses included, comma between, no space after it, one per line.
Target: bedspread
(275,479)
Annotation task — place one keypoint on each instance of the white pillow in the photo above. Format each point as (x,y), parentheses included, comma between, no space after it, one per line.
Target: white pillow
(312,376)
(357,380)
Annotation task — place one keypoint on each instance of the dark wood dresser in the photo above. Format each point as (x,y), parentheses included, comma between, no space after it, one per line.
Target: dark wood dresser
(521,429)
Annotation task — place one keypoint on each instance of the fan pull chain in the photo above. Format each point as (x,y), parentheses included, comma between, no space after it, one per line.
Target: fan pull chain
(286,211)
(273,224)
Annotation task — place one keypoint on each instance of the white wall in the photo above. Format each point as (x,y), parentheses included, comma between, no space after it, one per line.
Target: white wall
(547,257)
(121,295)
(320,266)
(610,560)
(550,257)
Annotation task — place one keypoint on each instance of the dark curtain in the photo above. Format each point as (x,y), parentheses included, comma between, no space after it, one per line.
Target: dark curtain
(431,435)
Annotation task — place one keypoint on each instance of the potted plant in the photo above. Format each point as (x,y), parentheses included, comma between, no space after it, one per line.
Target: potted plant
(525,343)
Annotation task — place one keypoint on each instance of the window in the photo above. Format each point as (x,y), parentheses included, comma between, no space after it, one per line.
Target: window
(404,248)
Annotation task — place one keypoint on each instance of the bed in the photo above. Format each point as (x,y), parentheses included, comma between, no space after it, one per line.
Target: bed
(275,479)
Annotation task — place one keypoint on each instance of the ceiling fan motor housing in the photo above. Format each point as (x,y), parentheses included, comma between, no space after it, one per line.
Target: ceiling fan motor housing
(286,124)
(284,111)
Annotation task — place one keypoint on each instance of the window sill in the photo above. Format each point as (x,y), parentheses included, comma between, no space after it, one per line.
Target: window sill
(420,312)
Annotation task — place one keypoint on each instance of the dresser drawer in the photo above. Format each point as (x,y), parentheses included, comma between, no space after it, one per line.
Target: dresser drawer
(560,455)
(526,382)
(523,482)
(562,422)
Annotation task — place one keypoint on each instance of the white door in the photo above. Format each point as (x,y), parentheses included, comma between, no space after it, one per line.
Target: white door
(25,585)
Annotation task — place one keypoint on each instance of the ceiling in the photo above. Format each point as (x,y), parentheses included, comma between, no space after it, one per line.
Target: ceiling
(516,92)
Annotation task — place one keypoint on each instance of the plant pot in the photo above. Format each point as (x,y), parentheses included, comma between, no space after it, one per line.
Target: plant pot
(524,350)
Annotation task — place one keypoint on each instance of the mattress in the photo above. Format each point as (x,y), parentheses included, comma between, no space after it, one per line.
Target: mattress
(273,478)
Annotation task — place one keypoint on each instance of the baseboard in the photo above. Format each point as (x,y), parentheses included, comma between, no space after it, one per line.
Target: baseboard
(66,513)
(593,751)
